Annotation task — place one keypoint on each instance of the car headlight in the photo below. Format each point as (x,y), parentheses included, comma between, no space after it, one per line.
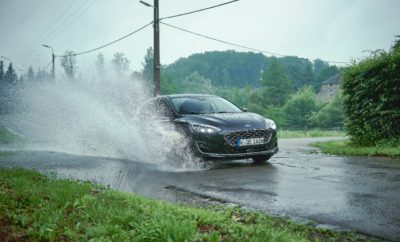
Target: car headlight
(270,124)
(204,129)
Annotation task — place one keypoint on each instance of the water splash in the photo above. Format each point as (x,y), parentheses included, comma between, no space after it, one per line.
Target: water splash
(96,118)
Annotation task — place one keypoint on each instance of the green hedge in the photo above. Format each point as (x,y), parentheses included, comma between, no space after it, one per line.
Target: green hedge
(371,91)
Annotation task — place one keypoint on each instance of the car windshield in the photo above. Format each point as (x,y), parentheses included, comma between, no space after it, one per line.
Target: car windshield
(203,105)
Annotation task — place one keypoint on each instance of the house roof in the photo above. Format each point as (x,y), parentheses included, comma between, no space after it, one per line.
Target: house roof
(333,80)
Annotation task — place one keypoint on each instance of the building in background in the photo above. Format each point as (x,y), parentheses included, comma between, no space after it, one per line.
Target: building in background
(330,88)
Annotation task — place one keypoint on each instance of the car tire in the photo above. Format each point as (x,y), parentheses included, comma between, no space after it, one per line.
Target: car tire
(261,159)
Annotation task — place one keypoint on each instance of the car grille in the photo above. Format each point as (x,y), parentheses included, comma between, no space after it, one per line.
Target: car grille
(232,138)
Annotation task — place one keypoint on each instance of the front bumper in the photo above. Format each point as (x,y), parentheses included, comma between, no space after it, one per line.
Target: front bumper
(217,147)
(238,155)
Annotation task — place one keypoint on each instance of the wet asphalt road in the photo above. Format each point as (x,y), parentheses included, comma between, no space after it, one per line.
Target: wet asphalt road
(357,193)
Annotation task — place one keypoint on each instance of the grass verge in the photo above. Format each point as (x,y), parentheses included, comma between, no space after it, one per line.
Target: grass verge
(345,147)
(34,207)
(309,133)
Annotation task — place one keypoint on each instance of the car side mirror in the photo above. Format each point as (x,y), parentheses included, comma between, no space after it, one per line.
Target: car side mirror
(244,109)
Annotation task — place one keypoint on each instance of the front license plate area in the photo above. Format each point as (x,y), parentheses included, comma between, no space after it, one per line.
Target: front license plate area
(253,141)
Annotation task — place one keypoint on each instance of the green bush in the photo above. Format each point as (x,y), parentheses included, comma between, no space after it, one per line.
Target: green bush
(298,110)
(330,115)
(371,91)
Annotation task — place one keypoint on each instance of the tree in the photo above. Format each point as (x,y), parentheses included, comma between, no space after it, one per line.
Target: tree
(331,115)
(100,66)
(120,63)
(299,71)
(68,62)
(42,75)
(276,85)
(10,78)
(148,65)
(396,45)
(30,76)
(7,83)
(300,107)
(1,70)
(148,68)
(168,85)
(196,83)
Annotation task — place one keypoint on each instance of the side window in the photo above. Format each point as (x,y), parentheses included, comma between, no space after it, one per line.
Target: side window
(155,109)
(164,110)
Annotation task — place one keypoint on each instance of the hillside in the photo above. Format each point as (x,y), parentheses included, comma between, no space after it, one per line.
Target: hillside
(239,69)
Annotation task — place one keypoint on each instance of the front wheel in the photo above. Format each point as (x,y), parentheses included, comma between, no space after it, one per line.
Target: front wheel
(261,159)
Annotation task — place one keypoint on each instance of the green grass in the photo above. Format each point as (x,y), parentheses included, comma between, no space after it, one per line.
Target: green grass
(6,137)
(37,208)
(309,133)
(345,147)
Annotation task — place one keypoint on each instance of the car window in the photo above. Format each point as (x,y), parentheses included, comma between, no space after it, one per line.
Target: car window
(163,109)
(203,105)
(154,109)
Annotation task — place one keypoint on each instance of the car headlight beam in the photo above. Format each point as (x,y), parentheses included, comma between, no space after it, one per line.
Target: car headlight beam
(204,129)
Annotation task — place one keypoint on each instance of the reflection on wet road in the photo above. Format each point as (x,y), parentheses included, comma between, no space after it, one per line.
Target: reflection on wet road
(356,193)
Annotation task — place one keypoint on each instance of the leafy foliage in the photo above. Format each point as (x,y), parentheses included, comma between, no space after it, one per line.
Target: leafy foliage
(68,62)
(7,84)
(241,69)
(226,68)
(300,107)
(276,85)
(30,76)
(372,98)
(120,63)
(329,115)
(195,83)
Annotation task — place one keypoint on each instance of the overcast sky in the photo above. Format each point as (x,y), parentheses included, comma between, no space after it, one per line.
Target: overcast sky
(335,30)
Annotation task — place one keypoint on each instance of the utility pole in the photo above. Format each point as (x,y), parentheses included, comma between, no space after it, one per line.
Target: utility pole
(156,25)
(53,57)
(156,46)
(157,65)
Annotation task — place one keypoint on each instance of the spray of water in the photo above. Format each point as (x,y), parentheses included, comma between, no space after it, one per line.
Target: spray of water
(96,118)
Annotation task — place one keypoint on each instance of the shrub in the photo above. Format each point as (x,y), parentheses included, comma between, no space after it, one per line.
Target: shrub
(371,91)
(300,107)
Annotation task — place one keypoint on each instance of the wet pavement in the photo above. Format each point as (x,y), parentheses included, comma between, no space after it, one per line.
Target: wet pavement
(357,193)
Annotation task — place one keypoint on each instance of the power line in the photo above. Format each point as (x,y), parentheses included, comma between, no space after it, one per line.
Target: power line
(110,43)
(67,23)
(199,10)
(237,45)
(49,26)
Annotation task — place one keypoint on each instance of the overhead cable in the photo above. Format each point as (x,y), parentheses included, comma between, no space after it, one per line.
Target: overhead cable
(199,10)
(70,21)
(110,43)
(238,45)
(49,26)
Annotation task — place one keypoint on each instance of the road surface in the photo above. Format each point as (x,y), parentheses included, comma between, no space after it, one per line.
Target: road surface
(357,193)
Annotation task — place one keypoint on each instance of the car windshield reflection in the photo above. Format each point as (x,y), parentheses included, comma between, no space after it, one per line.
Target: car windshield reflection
(203,105)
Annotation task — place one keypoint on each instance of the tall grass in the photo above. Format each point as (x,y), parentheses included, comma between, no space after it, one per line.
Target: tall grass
(36,208)
(310,133)
(345,147)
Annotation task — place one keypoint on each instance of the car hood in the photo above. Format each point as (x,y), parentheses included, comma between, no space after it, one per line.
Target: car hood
(245,120)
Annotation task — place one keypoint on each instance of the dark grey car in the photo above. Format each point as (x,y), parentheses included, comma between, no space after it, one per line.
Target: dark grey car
(215,127)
